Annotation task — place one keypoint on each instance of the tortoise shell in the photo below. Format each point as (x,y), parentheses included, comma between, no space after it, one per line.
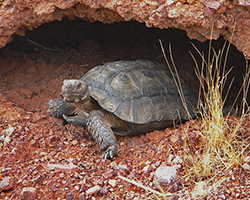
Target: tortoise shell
(139,91)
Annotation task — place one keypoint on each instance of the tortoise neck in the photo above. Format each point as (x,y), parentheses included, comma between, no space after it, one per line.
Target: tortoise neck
(88,104)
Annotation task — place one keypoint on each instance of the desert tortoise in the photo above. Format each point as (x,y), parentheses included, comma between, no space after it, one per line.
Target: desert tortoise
(123,97)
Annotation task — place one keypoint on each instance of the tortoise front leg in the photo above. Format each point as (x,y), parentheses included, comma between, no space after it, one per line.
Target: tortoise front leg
(102,133)
(58,108)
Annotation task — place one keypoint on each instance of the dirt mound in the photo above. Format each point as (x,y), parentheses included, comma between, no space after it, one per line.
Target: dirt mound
(195,17)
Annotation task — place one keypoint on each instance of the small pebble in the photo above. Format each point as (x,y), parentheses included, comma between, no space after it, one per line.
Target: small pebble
(165,175)
(93,190)
(74,142)
(6,183)
(28,193)
(246,166)
(77,187)
(112,182)
(26,93)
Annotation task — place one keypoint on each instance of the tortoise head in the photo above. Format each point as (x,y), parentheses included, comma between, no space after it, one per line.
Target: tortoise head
(75,91)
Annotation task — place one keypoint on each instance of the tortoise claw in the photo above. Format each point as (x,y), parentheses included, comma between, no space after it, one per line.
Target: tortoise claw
(109,153)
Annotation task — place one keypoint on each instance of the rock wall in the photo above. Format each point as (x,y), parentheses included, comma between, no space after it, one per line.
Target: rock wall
(227,17)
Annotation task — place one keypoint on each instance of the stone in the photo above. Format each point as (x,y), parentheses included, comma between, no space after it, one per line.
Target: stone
(62,167)
(112,182)
(82,196)
(28,193)
(109,174)
(104,190)
(243,2)
(26,93)
(93,190)
(147,168)
(212,4)
(165,175)
(6,183)
(246,166)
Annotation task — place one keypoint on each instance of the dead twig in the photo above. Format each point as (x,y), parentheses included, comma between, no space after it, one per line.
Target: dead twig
(144,187)
(46,48)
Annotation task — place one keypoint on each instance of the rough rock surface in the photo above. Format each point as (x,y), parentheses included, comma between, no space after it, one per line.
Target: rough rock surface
(195,17)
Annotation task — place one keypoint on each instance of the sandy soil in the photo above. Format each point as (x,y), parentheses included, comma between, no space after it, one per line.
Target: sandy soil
(44,158)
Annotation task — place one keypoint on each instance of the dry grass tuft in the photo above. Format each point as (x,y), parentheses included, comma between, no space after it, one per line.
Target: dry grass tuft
(221,147)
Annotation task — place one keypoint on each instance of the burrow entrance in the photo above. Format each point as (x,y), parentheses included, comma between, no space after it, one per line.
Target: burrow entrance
(34,66)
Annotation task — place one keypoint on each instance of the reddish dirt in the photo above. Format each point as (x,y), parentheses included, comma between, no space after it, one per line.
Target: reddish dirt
(44,158)
(197,18)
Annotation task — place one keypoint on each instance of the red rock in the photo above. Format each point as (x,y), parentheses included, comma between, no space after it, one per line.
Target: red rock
(6,183)
(36,117)
(25,183)
(109,174)
(82,196)
(169,2)
(114,165)
(57,121)
(104,190)
(112,182)
(212,4)
(30,66)
(26,93)
(174,138)
(93,190)
(161,10)
(243,2)
(122,166)
(208,12)
(89,46)
(190,1)
(28,193)
(65,167)
(165,175)
(246,166)
(146,168)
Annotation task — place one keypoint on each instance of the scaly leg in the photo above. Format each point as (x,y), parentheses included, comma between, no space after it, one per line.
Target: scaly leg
(102,133)
(58,107)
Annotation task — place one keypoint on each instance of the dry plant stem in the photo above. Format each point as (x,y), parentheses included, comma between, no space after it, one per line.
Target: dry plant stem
(144,187)
(45,48)
(221,148)
(176,78)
